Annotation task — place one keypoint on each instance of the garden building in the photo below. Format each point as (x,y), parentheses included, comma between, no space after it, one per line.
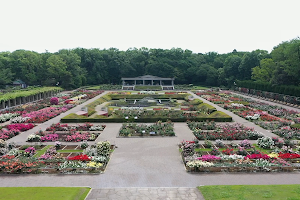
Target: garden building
(148,80)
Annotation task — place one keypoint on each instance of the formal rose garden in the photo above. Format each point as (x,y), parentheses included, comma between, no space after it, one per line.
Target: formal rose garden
(24,117)
(67,133)
(149,106)
(54,159)
(282,122)
(219,145)
(267,155)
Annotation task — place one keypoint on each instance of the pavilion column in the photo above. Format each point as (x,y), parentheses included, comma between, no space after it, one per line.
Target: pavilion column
(14,102)
(3,104)
(143,82)
(172,82)
(134,82)
(160,82)
(9,103)
(151,82)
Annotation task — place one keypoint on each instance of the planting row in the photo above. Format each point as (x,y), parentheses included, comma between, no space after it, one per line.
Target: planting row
(268,155)
(213,131)
(140,130)
(279,120)
(51,159)
(67,133)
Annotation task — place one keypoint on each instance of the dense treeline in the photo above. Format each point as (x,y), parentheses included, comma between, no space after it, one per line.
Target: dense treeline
(264,86)
(78,67)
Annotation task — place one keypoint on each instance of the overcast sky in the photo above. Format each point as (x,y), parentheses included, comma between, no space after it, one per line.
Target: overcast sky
(200,26)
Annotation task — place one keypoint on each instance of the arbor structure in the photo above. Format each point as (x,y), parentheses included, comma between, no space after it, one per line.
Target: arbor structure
(147,80)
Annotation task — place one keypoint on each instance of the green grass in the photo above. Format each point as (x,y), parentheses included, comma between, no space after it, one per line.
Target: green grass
(251,192)
(70,151)
(42,151)
(45,193)
(295,126)
(197,150)
(266,151)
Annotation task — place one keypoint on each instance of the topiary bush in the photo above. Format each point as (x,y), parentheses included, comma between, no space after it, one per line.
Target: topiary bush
(54,101)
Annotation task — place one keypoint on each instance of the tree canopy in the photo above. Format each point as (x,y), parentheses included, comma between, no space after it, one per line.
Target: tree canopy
(77,67)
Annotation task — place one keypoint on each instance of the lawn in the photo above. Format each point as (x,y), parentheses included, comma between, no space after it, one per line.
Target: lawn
(45,193)
(249,192)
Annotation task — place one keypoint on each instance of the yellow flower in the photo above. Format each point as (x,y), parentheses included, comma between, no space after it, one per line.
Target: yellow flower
(94,164)
(273,155)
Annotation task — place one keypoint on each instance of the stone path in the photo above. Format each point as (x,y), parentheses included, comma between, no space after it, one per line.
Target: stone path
(145,168)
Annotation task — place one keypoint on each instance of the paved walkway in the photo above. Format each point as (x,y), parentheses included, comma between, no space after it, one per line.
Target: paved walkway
(142,168)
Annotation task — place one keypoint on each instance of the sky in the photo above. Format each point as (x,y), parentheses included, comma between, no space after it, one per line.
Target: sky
(200,26)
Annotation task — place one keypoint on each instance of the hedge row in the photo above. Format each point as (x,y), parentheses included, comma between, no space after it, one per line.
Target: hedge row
(141,96)
(281,89)
(206,107)
(91,106)
(217,116)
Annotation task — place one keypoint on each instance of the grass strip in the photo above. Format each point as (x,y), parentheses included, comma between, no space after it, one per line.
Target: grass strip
(266,151)
(42,151)
(251,192)
(45,193)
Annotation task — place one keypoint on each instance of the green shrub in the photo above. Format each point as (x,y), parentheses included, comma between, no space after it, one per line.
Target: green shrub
(206,108)
(196,102)
(295,126)
(141,96)
(91,106)
(218,115)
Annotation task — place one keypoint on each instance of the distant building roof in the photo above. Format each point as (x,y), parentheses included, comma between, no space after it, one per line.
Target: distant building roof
(18,82)
(147,77)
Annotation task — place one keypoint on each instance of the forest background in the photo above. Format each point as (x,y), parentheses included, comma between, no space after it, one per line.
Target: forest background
(73,68)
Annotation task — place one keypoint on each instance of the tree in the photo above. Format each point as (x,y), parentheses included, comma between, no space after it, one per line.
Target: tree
(57,71)
(6,75)
(249,61)
(231,68)
(263,73)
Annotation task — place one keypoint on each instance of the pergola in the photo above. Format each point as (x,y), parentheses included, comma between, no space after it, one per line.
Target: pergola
(148,80)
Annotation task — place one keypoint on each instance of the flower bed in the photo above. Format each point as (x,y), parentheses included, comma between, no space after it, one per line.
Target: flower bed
(228,132)
(84,127)
(20,127)
(252,162)
(93,159)
(45,114)
(7,134)
(66,136)
(157,129)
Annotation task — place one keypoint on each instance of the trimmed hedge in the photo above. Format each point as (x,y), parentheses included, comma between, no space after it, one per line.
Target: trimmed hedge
(206,107)
(220,115)
(147,87)
(281,89)
(91,106)
(196,102)
(217,116)
(141,96)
